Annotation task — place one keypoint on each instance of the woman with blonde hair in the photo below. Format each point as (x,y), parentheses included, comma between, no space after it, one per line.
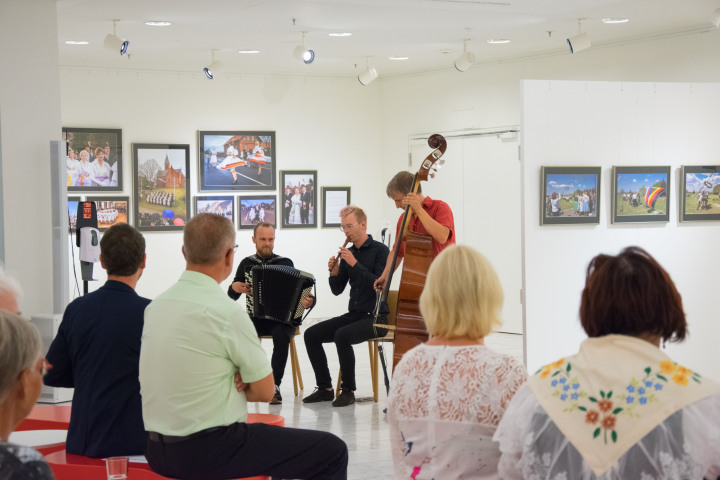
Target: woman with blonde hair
(21,372)
(448,394)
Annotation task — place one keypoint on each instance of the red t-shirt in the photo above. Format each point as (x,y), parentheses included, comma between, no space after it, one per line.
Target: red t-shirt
(438,211)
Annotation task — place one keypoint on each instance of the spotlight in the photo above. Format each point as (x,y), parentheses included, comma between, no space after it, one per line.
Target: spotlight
(115,43)
(465,60)
(368,76)
(214,66)
(716,18)
(579,42)
(302,53)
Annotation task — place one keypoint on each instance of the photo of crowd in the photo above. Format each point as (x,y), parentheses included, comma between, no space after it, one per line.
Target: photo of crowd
(110,211)
(223,206)
(257,209)
(299,199)
(94,160)
(571,195)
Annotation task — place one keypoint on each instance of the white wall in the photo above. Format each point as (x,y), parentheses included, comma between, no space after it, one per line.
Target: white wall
(29,120)
(326,125)
(342,129)
(605,124)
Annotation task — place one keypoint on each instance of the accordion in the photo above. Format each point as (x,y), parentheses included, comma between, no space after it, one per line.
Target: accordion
(277,291)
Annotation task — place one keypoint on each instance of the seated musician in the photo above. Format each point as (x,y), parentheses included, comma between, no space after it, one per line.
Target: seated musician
(620,408)
(201,362)
(264,240)
(360,265)
(429,216)
(449,393)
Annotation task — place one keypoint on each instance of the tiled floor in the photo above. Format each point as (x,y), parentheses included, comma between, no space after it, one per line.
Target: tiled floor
(362,426)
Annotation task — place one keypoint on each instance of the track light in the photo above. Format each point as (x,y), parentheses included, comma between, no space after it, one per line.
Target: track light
(368,75)
(579,42)
(214,67)
(465,60)
(115,43)
(302,53)
(716,18)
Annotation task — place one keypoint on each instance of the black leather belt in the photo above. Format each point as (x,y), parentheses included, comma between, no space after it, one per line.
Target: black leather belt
(159,437)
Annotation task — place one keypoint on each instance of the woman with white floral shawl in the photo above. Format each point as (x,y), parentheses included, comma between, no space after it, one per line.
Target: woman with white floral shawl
(620,408)
(448,394)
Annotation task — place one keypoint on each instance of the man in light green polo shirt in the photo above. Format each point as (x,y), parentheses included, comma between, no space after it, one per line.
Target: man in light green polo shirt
(200,363)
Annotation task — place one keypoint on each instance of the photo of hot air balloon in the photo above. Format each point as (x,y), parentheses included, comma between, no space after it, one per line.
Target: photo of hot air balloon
(641,194)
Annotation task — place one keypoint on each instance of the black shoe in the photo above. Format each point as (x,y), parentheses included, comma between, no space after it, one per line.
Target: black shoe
(277,398)
(346,397)
(319,395)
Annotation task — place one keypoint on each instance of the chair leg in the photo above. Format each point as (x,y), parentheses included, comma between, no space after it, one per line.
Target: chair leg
(375,373)
(293,366)
(297,367)
(337,390)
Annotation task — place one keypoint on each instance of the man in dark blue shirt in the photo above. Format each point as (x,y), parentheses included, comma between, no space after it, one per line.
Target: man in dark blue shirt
(97,351)
(360,265)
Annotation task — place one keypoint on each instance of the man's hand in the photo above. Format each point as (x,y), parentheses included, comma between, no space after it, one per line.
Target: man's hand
(333,266)
(239,384)
(381,281)
(241,287)
(307,301)
(414,200)
(347,256)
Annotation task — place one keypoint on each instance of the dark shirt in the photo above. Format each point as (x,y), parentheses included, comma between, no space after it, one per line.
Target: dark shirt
(97,352)
(371,258)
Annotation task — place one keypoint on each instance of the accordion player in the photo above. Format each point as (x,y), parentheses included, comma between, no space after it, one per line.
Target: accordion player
(277,291)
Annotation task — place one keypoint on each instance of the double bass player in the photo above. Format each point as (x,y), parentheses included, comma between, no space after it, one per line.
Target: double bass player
(429,216)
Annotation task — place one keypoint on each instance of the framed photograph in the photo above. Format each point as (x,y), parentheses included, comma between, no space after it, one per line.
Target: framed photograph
(640,194)
(255,209)
(94,159)
(570,195)
(236,160)
(299,198)
(110,210)
(334,199)
(699,193)
(162,186)
(222,205)
(72,213)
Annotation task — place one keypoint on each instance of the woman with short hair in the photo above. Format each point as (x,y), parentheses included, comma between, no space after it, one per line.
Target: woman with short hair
(21,371)
(448,394)
(620,408)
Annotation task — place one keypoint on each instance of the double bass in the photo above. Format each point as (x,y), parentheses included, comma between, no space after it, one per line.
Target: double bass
(410,327)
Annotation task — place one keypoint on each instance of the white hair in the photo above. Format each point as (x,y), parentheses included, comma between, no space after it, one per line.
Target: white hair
(9,284)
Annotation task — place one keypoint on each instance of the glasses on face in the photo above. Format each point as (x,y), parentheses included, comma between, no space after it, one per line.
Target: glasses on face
(344,228)
(235,247)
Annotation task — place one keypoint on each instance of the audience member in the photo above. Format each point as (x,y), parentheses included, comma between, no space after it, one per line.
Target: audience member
(97,351)
(200,363)
(21,370)
(619,408)
(448,394)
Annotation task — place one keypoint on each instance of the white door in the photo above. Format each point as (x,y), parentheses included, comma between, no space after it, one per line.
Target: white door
(480,180)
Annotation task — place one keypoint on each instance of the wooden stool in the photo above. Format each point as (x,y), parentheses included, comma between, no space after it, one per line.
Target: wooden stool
(294,362)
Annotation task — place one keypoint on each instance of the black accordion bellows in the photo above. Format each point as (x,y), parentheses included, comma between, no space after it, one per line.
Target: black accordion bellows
(277,291)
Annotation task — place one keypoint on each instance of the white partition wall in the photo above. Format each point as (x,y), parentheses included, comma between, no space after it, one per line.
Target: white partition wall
(604,124)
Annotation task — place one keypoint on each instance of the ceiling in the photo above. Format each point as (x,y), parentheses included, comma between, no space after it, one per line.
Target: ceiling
(429,32)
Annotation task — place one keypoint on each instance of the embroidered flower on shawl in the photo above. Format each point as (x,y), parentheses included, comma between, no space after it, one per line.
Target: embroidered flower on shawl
(606,412)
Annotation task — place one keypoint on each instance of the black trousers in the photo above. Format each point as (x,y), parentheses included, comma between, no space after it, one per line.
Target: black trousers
(281,335)
(248,450)
(346,330)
